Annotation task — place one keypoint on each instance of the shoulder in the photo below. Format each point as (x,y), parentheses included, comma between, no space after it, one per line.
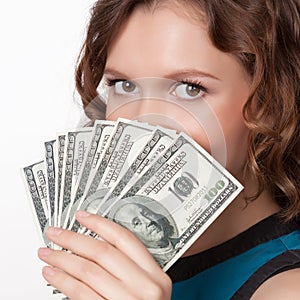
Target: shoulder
(284,285)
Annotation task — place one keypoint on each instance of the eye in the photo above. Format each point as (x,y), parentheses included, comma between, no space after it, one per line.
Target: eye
(123,87)
(189,90)
(136,221)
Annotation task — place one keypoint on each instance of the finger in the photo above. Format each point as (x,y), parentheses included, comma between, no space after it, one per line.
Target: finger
(119,237)
(68,285)
(87,272)
(102,253)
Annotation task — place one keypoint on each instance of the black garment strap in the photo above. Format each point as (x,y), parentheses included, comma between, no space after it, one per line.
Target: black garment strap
(264,231)
(286,261)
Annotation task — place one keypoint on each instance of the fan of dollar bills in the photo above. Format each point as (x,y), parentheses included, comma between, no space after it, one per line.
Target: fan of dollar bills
(134,174)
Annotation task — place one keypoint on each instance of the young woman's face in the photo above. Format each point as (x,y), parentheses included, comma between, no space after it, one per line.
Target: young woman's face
(196,87)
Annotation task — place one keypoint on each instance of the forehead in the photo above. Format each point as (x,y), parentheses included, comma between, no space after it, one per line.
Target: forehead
(128,209)
(161,41)
(160,37)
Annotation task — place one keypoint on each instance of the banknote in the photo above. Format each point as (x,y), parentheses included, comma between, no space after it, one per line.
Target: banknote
(56,294)
(159,184)
(77,142)
(127,139)
(126,133)
(50,164)
(35,183)
(159,141)
(100,136)
(107,130)
(175,201)
(60,149)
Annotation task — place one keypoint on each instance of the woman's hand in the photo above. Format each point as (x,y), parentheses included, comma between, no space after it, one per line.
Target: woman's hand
(119,267)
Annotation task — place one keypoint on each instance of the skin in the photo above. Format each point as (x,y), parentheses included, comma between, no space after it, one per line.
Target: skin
(100,268)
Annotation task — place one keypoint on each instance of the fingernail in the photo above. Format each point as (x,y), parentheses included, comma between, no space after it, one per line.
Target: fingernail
(82,214)
(54,231)
(44,252)
(48,271)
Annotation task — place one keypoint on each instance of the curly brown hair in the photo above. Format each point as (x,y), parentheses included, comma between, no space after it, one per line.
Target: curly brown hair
(264,35)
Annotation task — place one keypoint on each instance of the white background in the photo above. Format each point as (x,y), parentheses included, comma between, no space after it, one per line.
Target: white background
(40,41)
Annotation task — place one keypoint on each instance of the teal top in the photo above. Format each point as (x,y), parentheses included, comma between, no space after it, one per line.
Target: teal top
(235,269)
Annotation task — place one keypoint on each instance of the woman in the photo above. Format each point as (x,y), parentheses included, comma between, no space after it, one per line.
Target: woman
(242,58)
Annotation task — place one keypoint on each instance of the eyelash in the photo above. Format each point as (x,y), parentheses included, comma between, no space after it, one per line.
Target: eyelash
(194,83)
(112,82)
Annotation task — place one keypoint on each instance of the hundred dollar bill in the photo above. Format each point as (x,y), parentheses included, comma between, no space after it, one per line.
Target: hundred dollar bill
(101,133)
(175,201)
(50,163)
(35,182)
(77,142)
(159,141)
(108,128)
(55,293)
(60,149)
(133,138)
(128,138)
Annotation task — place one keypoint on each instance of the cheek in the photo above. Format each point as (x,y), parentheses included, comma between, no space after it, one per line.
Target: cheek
(235,135)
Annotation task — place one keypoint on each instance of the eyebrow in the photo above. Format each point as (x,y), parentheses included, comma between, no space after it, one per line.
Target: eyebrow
(177,75)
